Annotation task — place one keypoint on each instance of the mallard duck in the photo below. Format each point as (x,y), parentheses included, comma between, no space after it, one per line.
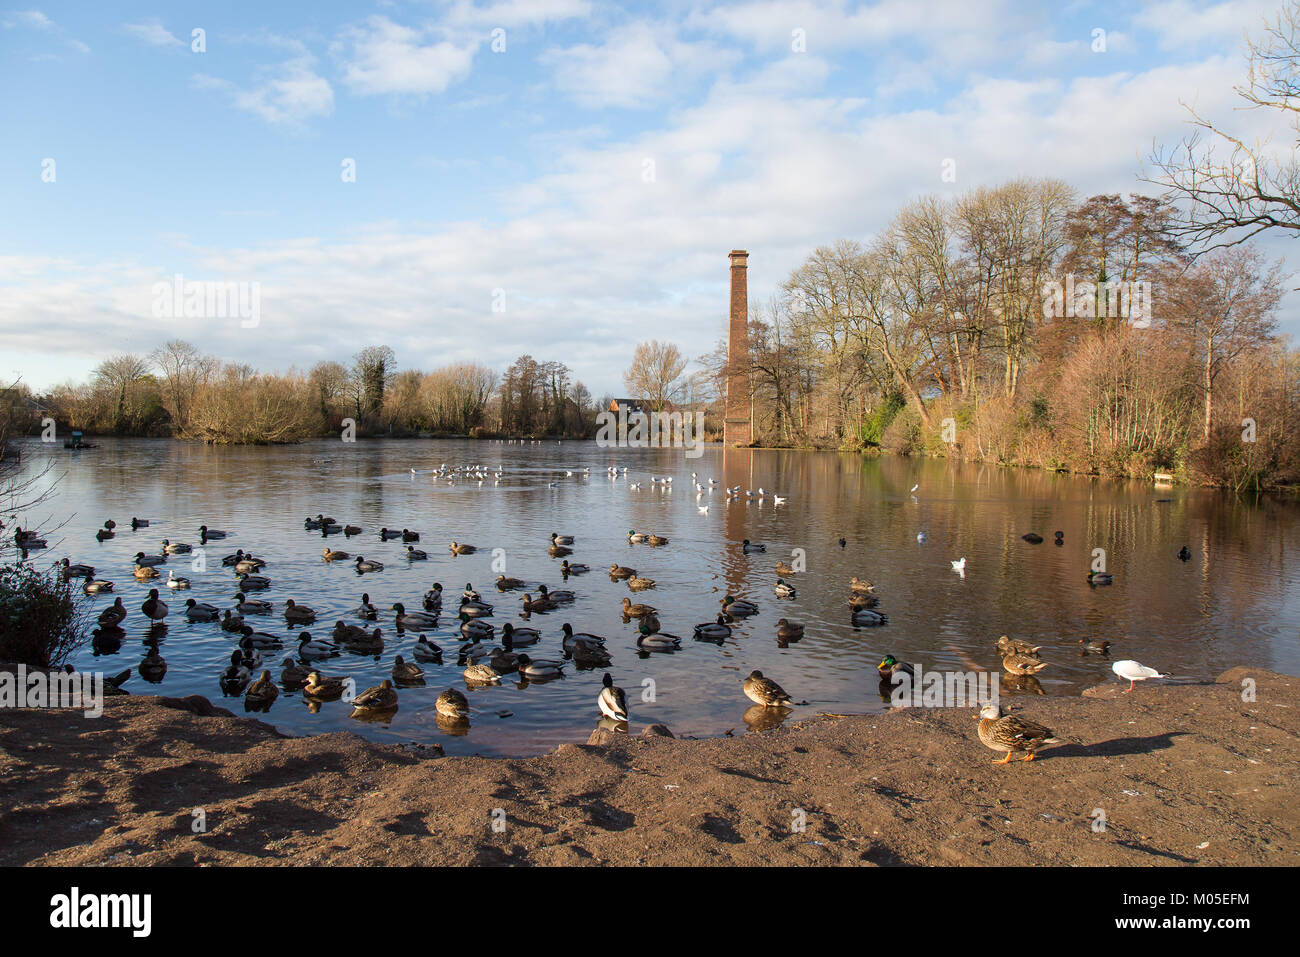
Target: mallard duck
(537,605)
(234,559)
(1100,578)
(312,649)
(68,571)
(154,608)
(200,611)
(861,586)
(145,572)
(503,660)
(174,581)
(365,643)
(783,590)
(1095,645)
(637,583)
(1006,645)
(738,607)
(789,630)
(617,572)
(331,555)
(1033,538)
(344,631)
(649,640)
(426,650)
(452,704)
(97,587)
(292,674)
(519,636)
(363,566)
(560,595)
(139,523)
(568,569)
(638,610)
(433,598)
(404,670)
(611,701)
(410,536)
(581,639)
(113,614)
(558,551)
(1022,664)
(749,547)
(589,656)
(475,609)
(210,533)
(866,618)
(766,692)
(175,548)
(890,667)
(153,667)
(365,610)
(262,692)
(414,621)
(470,593)
(557,539)
(386,534)
(299,614)
(508,584)
(350,530)
(1011,733)
(1184,554)
(149,561)
(862,600)
(236,675)
(481,674)
(251,606)
(260,640)
(636,537)
(415,554)
(656,540)
(475,628)
(782,569)
(324,688)
(1134,671)
(102,535)
(458,549)
(231,622)
(713,630)
(540,668)
(249,582)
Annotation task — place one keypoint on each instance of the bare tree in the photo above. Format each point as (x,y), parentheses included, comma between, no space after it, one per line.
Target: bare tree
(184,370)
(656,374)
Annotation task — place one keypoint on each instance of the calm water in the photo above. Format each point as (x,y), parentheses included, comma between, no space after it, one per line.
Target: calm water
(1236,601)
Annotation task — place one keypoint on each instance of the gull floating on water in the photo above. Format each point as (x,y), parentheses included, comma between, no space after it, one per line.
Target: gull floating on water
(959,566)
(1134,671)
(916,486)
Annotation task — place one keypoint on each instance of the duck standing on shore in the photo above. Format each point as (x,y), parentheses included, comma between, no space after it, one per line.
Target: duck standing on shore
(1012,734)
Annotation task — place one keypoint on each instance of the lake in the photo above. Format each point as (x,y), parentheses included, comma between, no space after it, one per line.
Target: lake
(1236,601)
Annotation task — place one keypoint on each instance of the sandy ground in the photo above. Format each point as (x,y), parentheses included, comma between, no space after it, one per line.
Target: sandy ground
(1184,774)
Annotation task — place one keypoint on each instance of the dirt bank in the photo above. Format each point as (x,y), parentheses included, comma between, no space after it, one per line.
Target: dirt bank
(1186,774)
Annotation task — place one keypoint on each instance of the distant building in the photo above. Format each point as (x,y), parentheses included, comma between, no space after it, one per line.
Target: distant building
(629,406)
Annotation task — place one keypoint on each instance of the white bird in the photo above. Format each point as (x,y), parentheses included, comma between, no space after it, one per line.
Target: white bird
(920,537)
(1134,671)
(959,566)
(778,500)
(916,486)
(703,509)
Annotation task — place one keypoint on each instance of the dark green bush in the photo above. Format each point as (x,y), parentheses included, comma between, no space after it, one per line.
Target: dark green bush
(41,619)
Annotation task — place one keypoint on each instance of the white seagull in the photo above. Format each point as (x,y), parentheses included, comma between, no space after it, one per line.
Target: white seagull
(959,566)
(1134,671)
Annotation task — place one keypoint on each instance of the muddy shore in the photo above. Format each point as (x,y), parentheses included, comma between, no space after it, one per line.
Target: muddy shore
(1183,774)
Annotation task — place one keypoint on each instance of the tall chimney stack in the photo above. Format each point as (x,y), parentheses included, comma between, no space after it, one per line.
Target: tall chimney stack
(736,426)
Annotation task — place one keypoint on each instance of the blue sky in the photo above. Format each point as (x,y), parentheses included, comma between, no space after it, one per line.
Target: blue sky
(522,172)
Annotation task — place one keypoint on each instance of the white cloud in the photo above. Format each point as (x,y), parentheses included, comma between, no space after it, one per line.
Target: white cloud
(515,13)
(386,57)
(32,19)
(289,95)
(1179,24)
(152,32)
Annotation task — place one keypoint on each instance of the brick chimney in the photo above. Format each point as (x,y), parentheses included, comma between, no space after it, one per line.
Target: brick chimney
(736,426)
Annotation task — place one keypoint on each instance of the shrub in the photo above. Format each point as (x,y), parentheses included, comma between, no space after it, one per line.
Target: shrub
(41,619)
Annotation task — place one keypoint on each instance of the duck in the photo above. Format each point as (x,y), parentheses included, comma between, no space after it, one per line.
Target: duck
(365,643)
(452,704)
(410,536)
(350,530)
(149,561)
(860,586)
(98,586)
(635,537)
(475,608)
(1100,578)
(231,622)
(175,581)
(1095,645)
(113,614)
(363,566)
(323,687)
(102,534)
(175,548)
(1184,554)
(782,569)
(637,610)
(559,551)
(248,564)
(542,668)
(862,600)
(251,606)
(458,549)
(292,674)
(475,628)
(1007,645)
(145,572)
(1033,538)
(738,607)
(346,632)
(656,540)
(153,667)
(890,667)
(519,636)
(637,583)
(366,611)
(568,569)
(508,584)
(262,692)
(649,640)
(433,598)
(1134,671)
(560,595)
(259,640)
(557,539)
(470,593)
(866,618)
(320,521)
(959,565)
(200,611)
(766,692)
(67,570)
(571,641)
(236,675)
(714,630)
(154,608)
(414,621)
(415,554)
(1012,733)
(617,572)
(331,555)
(783,590)
(404,670)
(538,605)
(299,614)
(386,534)
(481,674)
(589,656)
(249,582)
(210,533)
(611,701)
(426,650)
(749,547)
(1022,664)
(789,630)
(139,523)
(229,560)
